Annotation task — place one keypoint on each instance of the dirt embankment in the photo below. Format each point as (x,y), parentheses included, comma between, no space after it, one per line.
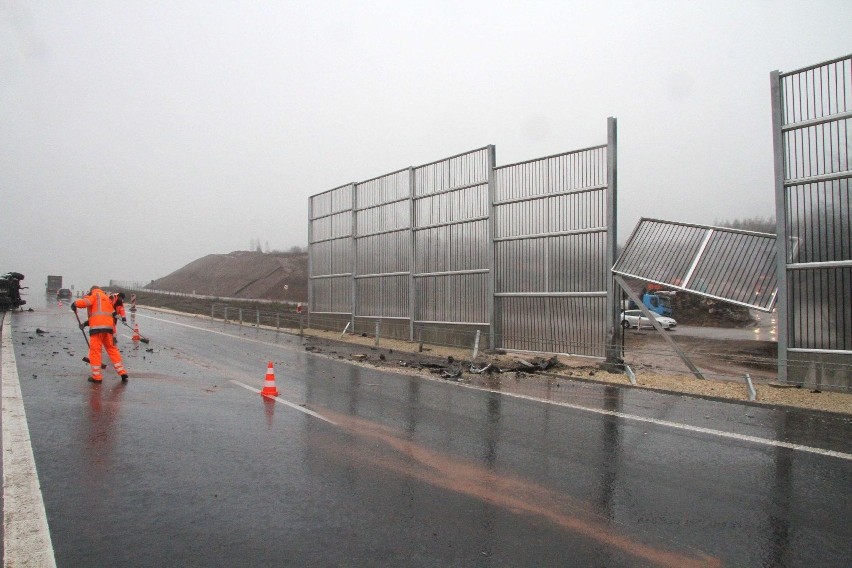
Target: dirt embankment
(242,274)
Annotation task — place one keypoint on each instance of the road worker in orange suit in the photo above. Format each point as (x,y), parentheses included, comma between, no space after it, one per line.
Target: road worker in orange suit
(101,326)
(117,303)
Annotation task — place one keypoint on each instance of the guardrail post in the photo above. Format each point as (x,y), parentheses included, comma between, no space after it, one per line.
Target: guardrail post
(752,394)
(277,322)
(257,319)
(241,317)
(630,374)
(475,345)
(420,340)
(378,329)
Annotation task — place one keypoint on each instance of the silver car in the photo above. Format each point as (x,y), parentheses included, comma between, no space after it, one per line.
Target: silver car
(636,320)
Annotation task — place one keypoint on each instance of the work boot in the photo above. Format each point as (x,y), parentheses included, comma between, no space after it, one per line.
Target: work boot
(94,380)
(124,378)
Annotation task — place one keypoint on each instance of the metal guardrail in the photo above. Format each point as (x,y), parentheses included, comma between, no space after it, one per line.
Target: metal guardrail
(812,375)
(134,287)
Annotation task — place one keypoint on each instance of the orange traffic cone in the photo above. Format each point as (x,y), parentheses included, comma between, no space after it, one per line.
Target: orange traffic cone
(269,385)
(136,336)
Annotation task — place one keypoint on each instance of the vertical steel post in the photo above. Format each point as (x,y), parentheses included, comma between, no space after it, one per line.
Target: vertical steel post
(493,307)
(412,251)
(353,249)
(782,238)
(378,330)
(310,255)
(614,330)
(545,226)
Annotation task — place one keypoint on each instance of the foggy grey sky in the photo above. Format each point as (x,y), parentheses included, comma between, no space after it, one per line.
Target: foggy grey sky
(136,137)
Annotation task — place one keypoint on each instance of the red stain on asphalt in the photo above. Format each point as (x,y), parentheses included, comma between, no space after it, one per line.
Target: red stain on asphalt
(512,493)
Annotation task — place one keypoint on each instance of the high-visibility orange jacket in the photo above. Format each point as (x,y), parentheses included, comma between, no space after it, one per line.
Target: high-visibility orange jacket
(100,310)
(118,305)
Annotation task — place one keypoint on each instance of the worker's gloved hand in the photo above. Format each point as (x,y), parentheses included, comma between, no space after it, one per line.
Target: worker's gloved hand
(123,320)
(83,326)
(73,307)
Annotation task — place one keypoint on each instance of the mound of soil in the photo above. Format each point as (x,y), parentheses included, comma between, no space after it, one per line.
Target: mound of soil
(690,309)
(242,274)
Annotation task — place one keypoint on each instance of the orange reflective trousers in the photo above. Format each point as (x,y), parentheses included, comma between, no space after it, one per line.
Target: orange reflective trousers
(98,341)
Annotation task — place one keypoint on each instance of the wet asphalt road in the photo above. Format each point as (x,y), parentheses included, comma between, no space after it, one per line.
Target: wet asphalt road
(184,466)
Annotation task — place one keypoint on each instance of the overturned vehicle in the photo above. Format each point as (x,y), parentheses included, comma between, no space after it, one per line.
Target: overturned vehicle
(10,291)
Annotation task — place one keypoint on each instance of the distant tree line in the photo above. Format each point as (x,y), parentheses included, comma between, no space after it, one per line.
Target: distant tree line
(757,224)
(254,245)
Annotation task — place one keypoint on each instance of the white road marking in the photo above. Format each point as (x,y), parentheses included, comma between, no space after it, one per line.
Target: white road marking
(211,331)
(679,426)
(245,386)
(26,535)
(636,418)
(286,402)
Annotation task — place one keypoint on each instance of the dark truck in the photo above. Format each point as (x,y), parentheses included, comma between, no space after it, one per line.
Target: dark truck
(10,291)
(54,284)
